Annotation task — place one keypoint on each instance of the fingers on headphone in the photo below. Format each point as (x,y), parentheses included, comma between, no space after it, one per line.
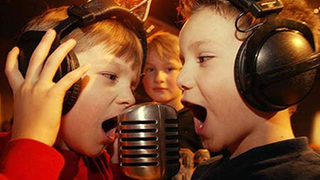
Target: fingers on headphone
(71,78)
(55,59)
(12,72)
(39,55)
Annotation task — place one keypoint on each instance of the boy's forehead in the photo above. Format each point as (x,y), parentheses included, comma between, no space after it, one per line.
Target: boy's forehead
(119,63)
(203,26)
(191,28)
(102,60)
(124,64)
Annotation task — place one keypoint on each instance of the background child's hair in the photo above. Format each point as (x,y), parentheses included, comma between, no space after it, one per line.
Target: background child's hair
(165,44)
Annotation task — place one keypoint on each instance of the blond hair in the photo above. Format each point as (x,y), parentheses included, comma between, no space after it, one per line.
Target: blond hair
(111,34)
(165,44)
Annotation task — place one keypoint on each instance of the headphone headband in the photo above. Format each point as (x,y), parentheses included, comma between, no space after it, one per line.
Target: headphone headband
(97,10)
(260,8)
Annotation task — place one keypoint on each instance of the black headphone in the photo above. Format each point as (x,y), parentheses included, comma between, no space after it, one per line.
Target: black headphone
(79,16)
(276,65)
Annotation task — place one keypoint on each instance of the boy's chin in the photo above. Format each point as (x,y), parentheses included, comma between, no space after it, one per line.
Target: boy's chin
(95,153)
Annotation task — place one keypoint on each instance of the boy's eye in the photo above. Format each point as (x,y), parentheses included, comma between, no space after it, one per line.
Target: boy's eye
(173,69)
(110,76)
(149,69)
(204,58)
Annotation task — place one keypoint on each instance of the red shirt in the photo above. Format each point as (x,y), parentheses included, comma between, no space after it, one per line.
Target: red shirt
(29,159)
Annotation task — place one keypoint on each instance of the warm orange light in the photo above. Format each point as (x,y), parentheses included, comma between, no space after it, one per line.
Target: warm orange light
(128,3)
(315,133)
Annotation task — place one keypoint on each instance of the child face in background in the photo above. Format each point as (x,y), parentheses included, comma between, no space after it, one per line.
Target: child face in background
(106,91)
(208,46)
(160,77)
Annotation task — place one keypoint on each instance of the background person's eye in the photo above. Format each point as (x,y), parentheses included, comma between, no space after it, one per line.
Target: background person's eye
(149,69)
(170,69)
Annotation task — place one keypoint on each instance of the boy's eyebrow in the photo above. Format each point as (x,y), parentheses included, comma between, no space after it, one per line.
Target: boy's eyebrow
(118,66)
(172,61)
(199,43)
(193,45)
(147,63)
(115,64)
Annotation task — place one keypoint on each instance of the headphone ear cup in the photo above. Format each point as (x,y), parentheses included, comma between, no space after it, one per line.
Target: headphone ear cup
(71,62)
(273,50)
(28,43)
(242,76)
(285,49)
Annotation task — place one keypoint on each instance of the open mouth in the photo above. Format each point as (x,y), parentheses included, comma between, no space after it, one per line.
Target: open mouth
(109,124)
(198,112)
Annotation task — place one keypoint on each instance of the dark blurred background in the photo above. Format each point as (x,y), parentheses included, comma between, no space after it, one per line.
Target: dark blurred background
(163,16)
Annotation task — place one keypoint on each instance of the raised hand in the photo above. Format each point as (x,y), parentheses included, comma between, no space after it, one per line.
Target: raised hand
(37,99)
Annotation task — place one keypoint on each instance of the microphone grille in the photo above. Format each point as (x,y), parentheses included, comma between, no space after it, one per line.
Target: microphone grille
(149,141)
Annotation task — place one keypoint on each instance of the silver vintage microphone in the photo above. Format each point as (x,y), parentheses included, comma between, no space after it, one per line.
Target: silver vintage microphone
(149,141)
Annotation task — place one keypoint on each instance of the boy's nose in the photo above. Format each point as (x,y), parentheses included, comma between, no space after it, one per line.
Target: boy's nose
(160,77)
(127,98)
(184,82)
